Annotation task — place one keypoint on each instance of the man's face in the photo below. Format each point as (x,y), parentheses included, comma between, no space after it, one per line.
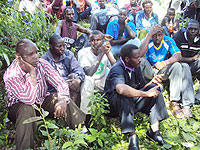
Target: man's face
(148,8)
(133,2)
(134,60)
(96,41)
(57,48)
(171,14)
(30,54)
(192,30)
(123,14)
(101,3)
(69,15)
(157,38)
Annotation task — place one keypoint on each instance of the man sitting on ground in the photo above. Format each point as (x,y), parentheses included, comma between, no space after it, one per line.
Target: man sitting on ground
(55,7)
(26,84)
(162,57)
(101,14)
(95,61)
(122,30)
(128,93)
(66,64)
(68,29)
(188,42)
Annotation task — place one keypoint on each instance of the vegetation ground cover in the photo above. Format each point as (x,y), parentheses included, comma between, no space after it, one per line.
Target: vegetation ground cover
(105,132)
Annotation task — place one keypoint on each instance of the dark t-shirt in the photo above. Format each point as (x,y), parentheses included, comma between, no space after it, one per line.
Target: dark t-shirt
(119,75)
(181,41)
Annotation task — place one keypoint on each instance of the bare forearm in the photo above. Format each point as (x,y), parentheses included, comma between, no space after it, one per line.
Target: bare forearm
(131,33)
(144,45)
(128,91)
(176,58)
(120,42)
(111,59)
(91,70)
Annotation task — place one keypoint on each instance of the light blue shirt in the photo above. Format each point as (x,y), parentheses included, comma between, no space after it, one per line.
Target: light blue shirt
(157,54)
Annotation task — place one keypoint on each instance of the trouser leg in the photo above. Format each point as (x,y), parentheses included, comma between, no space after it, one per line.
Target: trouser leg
(195,69)
(86,89)
(146,69)
(24,137)
(187,87)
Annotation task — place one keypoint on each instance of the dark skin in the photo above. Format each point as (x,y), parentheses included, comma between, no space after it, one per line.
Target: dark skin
(123,21)
(28,59)
(99,49)
(57,49)
(156,32)
(69,15)
(128,91)
(192,31)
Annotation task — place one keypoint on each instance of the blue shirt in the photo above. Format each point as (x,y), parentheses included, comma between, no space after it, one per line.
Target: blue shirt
(113,29)
(143,23)
(157,54)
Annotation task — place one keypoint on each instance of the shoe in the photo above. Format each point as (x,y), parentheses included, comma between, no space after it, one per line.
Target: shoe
(157,137)
(133,143)
(187,113)
(176,110)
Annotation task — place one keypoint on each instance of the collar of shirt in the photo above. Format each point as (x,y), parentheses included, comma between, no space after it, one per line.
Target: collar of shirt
(195,39)
(127,68)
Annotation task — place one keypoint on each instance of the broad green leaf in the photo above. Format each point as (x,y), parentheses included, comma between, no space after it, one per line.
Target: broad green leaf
(82,142)
(188,137)
(90,138)
(44,133)
(32,119)
(67,144)
(100,142)
(52,126)
(93,131)
(196,126)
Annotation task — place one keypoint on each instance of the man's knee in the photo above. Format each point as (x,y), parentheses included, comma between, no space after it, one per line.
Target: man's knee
(26,111)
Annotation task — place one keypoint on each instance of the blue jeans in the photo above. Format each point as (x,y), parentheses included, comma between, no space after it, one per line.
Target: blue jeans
(82,15)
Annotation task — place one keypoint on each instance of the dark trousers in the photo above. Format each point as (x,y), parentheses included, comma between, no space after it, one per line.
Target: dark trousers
(126,107)
(82,15)
(19,112)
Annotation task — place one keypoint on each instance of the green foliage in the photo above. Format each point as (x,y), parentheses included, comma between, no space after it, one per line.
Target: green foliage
(182,22)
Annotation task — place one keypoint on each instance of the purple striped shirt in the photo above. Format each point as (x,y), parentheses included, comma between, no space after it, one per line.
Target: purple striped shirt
(20,88)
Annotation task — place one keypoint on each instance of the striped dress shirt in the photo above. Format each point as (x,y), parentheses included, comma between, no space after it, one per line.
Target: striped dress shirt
(20,88)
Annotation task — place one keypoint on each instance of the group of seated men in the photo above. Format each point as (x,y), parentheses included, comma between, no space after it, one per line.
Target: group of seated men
(55,80)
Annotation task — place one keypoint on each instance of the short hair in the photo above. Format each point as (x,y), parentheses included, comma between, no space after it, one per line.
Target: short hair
(96,32)
(67,8)
(127,50)
(22,45)
(146,2)
(54,38)
(124,9)
(170,9)
(193,21)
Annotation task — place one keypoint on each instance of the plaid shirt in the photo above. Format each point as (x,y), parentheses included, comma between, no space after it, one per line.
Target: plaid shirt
(20,88)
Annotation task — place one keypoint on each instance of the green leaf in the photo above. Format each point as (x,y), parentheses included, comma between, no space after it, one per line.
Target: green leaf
(93,131)
(1,64)
(100,142)
(82,142)
(90,138)
(6,59)
(44,133)
(196,126)
(67,144)
(188,137)
(32,119)
(52,126)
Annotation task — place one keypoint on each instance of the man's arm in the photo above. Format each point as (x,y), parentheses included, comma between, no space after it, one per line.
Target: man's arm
(82,29)
(128,91)
(88,3)
(130,31)
(59,27)
(190,59)
(143,47)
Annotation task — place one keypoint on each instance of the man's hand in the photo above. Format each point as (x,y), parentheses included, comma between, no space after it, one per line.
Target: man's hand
(133,10)
(153,92)
(108,37)
(74,84)
(25,66)
(60,108)
(160,65)
(157,79)
(195,57)
(105,48)
(127,20)
(154,29)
